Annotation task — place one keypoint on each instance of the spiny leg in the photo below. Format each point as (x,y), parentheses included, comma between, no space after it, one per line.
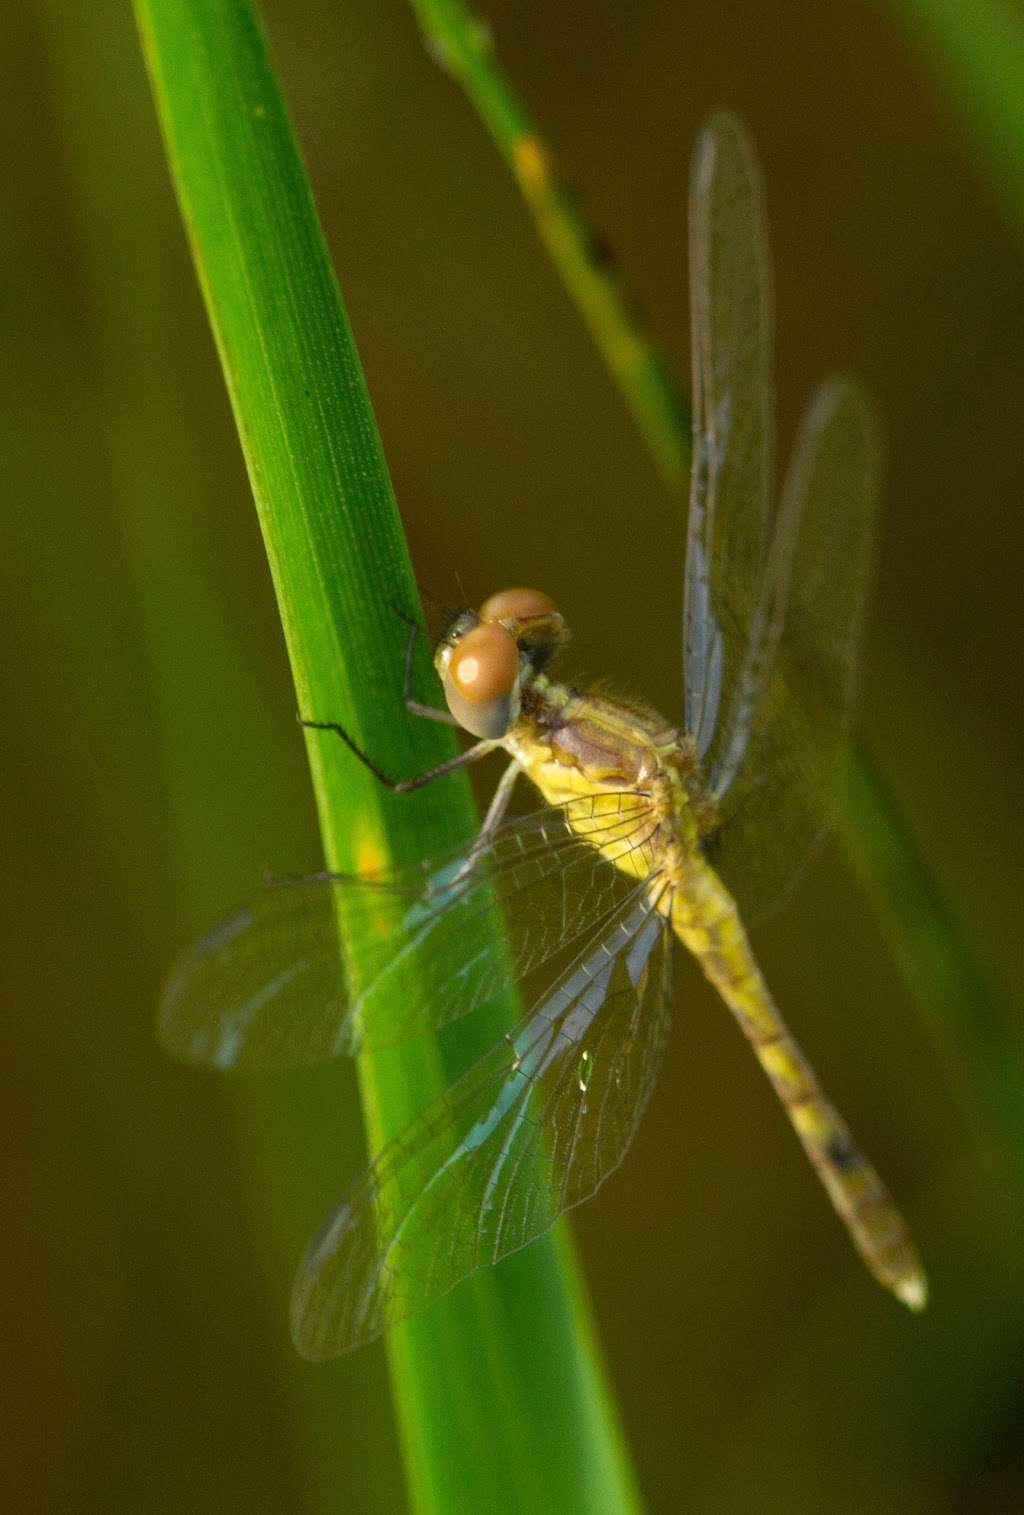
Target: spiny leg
(492,820)
(402,786)
(415,707)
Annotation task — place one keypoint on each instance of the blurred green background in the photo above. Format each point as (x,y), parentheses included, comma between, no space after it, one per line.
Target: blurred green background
(153,768)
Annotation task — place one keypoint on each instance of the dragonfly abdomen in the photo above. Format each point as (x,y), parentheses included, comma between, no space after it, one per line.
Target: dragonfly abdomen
(713,932)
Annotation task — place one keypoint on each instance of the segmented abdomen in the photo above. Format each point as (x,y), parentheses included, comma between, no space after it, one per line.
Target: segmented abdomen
(705,919)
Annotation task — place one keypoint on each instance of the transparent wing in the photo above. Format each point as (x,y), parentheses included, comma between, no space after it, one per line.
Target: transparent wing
(777,771)
(269,987)
(733,420)
(532,1129)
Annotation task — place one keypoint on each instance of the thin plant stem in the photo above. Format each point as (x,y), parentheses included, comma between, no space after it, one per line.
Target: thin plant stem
(462,44)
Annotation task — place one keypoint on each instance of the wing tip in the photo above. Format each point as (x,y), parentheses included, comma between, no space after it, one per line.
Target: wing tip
(723,128)
(169,1030)
(913,1291)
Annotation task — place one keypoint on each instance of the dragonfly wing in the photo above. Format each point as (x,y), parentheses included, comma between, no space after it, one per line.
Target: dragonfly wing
(271,988)
(733,418)
(778,765)
(531,1129)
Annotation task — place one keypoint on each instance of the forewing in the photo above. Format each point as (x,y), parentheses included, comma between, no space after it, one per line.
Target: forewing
(778,767)
(270,987)
(733,419)
(530,1130)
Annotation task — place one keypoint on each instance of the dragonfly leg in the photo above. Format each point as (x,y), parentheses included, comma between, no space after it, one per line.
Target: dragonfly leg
(415,707)
(492,820)
(402,786)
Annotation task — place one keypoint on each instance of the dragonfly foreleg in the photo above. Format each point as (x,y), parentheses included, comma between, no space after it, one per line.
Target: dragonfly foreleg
(402,786)
(415,707)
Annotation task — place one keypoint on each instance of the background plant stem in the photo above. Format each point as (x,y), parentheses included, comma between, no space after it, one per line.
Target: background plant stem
(462,44)
(976,52)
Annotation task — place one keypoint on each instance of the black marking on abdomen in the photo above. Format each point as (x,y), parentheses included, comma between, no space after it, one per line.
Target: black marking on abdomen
(843,1153)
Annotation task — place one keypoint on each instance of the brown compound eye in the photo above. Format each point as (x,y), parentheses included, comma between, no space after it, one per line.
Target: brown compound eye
(516,605)
(485,664)
(481,681)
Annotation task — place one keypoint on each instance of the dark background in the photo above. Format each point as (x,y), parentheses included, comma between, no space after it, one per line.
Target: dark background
(154,1214)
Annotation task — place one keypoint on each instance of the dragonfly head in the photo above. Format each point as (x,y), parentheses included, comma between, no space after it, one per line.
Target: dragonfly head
(486,655)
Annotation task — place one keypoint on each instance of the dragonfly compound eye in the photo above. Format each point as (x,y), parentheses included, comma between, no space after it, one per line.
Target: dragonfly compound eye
(516,605)
(481,681)
(532,619)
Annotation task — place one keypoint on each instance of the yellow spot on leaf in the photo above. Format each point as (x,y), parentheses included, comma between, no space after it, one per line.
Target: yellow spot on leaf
(369,856)
(531,163)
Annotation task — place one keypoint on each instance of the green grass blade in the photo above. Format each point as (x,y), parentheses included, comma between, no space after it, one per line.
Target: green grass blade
(501,1396)
(976,51)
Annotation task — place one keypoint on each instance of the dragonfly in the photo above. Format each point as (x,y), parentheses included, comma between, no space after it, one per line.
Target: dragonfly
(649,834)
